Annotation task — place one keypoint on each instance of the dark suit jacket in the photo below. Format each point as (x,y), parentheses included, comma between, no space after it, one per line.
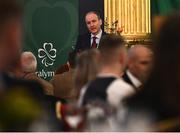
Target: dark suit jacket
(32,87)
(128,80)
(84,42)
(34,91)
(97,90)
(47,86)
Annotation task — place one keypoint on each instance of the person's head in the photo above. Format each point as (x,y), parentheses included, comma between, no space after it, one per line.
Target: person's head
(167,63)
(167,52)
(139,61)
(113,52)
(10,31)
(162,89)
(72,59)
(28,62)
(87,67)
(93,22)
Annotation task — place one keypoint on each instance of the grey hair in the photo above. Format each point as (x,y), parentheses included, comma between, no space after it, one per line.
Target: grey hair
(28,62)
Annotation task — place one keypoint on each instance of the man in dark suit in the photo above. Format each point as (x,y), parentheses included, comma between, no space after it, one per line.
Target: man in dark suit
(91,39)
(138,66)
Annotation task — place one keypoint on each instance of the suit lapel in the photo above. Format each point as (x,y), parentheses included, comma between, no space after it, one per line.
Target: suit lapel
(103,33)
(89,40)
(127,79)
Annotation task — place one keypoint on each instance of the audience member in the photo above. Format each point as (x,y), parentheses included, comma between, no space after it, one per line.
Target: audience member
(14,91)
(64,83)
(10,33)
(86,70)
(161,93)
(24,65)
(25,68)
(29,67)
(108,86)
(138,66)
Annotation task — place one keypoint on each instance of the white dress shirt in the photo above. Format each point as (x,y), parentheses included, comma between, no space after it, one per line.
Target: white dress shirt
(134,80)
(98,37)
(81,96)
(116,91)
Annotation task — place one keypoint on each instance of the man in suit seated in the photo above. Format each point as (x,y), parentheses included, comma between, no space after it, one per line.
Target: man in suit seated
(93,37)
(139,64)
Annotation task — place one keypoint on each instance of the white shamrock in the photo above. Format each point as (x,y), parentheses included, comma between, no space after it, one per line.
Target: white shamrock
(47,54)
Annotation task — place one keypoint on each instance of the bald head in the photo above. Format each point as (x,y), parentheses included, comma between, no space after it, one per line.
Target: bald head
(139,61)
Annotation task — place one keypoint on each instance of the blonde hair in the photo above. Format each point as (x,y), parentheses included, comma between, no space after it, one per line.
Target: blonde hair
(87,67)
(28,62)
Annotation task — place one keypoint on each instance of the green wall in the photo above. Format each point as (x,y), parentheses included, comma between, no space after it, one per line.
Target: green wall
(164,7)
(51,28)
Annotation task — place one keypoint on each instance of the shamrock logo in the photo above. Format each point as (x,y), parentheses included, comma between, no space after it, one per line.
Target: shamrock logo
(47,54)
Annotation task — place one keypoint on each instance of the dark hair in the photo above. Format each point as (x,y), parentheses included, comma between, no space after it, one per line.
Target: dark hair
(94,12)
(9,9)
(110,41)
(72,58)
(110,47)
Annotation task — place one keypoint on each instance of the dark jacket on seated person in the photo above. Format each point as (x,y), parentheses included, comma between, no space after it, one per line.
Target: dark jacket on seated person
(32,87)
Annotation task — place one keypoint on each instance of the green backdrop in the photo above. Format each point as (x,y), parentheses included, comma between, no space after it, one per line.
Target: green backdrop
(164,7)
(51,28)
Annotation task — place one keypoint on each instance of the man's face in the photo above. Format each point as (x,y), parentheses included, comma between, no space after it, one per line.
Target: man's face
(93,23)
(140,66)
